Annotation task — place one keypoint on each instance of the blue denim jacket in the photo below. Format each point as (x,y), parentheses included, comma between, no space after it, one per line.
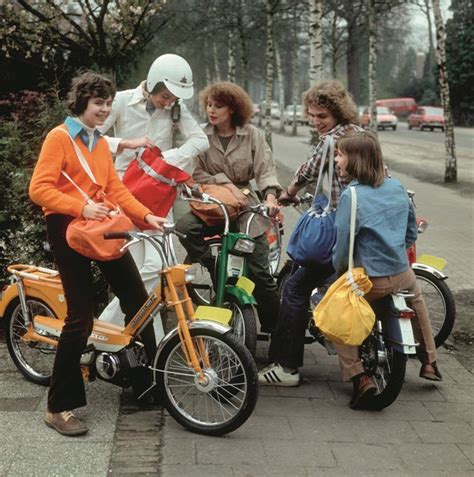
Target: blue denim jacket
(385,228)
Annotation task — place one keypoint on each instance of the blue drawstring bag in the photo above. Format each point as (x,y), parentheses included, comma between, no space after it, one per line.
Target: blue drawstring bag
(314,236)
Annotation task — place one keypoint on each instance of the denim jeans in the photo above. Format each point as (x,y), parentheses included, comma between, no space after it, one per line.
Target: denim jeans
(67,387)
(287,344)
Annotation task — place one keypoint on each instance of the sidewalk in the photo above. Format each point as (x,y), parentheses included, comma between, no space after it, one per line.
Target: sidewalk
(303,431)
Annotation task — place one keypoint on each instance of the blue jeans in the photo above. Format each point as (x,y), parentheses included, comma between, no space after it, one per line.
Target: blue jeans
(287,345)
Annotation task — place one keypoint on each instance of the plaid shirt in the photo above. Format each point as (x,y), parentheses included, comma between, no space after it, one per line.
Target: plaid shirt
(308,172)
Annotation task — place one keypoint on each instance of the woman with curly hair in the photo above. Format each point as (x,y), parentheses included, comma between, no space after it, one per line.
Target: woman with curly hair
(333,113)
(238,153)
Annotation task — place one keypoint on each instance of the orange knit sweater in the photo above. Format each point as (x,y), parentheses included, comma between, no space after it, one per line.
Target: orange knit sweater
(51,190)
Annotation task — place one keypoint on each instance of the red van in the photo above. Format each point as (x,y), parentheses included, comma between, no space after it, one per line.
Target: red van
(400,106)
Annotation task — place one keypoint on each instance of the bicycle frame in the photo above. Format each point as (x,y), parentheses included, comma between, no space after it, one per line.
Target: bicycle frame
(170,292)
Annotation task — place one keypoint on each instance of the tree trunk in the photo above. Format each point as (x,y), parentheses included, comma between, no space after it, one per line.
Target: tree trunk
(450,174)
(215,54)
(281,89)
(231,58)
(315,42)
(295,73)
(245,62)
(334,46)
(372,20)
(269,73)
(353,70)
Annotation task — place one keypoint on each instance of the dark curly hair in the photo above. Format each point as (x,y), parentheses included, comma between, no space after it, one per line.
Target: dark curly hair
(232,96)
(333,96)
(86,86)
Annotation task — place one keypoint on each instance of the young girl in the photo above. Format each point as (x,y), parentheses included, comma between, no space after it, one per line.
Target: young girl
(385,228)
(90,103)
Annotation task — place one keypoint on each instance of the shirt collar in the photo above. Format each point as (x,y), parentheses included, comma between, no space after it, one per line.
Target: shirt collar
(76,128)
(138,95)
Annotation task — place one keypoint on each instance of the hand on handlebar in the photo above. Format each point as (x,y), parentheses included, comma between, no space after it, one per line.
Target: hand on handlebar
(272,204)
(155,221)
(286,199)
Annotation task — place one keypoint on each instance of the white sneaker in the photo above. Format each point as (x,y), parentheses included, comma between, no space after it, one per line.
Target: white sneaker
(274,375)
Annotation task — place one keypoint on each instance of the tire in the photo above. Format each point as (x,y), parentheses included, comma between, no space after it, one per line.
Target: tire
(244,323)
(213,411)
(410,126)
(440,303)
(34,360)
(394,128)
(201,290)
(422,128)
(388,374)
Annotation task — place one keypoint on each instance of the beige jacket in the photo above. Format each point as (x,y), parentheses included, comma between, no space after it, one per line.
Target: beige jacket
(247,157)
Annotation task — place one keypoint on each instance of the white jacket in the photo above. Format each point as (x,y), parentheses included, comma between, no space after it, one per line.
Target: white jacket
(129,120)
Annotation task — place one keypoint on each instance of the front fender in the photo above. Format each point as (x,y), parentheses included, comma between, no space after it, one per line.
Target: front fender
(205,325)
(429,269)
(240,295)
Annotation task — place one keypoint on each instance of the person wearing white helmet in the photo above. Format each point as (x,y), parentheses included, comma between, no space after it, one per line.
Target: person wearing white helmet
(144,117)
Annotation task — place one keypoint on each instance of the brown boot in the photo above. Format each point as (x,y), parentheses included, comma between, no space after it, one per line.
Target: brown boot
(65,423)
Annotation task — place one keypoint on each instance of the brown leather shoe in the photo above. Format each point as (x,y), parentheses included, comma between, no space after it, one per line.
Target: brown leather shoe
(364,389)
(430,372)
(65,423)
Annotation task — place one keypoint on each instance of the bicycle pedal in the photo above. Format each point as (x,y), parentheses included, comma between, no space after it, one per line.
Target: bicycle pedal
(263,337)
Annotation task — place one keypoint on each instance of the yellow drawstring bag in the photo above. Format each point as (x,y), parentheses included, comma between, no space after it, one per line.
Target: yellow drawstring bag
(344,316)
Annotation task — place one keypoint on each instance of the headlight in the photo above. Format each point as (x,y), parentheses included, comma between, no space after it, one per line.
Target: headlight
(189,274)
(244,245)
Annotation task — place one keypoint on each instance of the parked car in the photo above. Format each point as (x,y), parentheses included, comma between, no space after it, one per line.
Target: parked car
(385,118)
(300,116)
(427,117)
(256,109)
(274,109)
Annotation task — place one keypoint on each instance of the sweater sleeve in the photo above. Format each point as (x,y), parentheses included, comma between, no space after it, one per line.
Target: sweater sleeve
(340,253)
(43,188)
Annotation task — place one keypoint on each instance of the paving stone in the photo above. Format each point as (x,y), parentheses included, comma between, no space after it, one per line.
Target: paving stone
(435,457)
(451,411)
(264,427)
(422,390)
(399,410)
(306,453)
(269,470)
(196,470)
(468,451)
(441,432)
(369,432)
(458,375)
(458,393)
(366,456)
(282,406)
(19,404)
(308,389)
(178,451)
(229,451)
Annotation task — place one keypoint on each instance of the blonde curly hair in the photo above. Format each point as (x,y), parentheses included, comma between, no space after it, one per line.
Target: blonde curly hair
(232,96)
(333,96)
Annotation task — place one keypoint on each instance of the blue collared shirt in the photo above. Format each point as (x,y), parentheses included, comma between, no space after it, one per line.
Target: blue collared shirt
(385,228)
(76,128)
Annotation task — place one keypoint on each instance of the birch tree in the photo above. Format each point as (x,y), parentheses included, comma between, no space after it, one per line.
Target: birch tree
(269,55)
(281,88)
(450,174)
(231,57)
(372,24)
(315,42)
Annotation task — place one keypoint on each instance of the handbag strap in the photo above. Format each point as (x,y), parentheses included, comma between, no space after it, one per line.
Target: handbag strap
(81,157)
(149,171)
(327,145)
(353,226)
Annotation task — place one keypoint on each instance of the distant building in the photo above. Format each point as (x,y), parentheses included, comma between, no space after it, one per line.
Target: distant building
(420,64)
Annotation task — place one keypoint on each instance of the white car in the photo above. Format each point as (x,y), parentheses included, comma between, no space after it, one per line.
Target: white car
(300,116)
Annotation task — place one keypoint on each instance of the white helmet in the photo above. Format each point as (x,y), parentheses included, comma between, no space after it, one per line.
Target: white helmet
(175,72)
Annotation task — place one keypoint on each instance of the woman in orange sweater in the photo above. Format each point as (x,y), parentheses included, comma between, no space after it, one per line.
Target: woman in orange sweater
(90,103)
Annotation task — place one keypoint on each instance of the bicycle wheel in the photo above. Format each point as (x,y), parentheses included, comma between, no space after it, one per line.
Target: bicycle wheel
(208,407)
(440,303)
(34,359)
(201,290)
(244,323)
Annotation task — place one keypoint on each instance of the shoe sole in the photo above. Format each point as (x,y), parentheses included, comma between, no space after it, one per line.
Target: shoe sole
(285,385)
(364,399)
(431,377)
(79,432)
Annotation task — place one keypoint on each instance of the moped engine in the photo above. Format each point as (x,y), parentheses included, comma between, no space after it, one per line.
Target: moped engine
(109,365)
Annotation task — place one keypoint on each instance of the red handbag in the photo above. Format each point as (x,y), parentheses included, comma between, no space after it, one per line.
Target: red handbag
(153,182)
(87,236)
